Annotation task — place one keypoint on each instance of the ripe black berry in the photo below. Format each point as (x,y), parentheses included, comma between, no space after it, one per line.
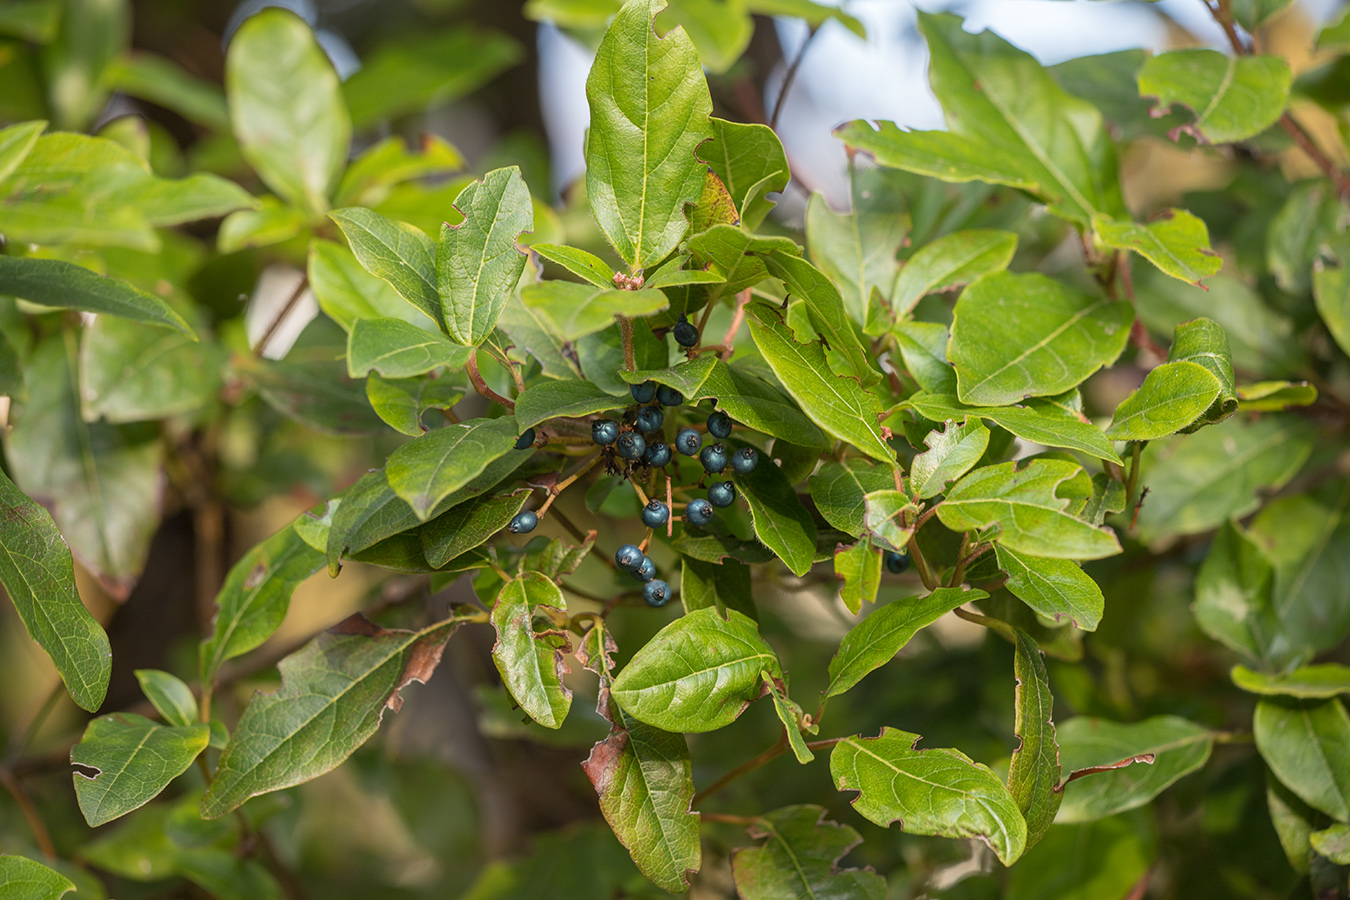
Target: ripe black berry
(643,393)
(722,494)
(688,442)
(896,562)
(525,440)
(524,522)
(698,512)
(719,425)
(657,455)
(656,592)
(648,419)
(668,396)
(686,335)
(628,557)
(605,432)
(646,569)
(655,514)
(744,460)
(631,445)
(714,458)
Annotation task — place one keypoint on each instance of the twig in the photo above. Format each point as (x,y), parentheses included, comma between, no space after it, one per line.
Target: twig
(744,768)
(728,342)
(274,325)
(41,836)
(626,329)
(567,482)
(481,386)
(789,77)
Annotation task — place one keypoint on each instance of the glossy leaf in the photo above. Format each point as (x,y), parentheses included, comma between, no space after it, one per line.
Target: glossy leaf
(1175,241)
(395,252)
(38,573)
(721,586)
(132,759)
(649,111)
(951,453)
(799,858)
(950,261)
(1318,681)
(24,879)
(1056,588)
(780,521)
(1204,342)
(468,525)
(399,349)
(562,399)
(585,265)
(333,694)
(751,163)
(576,310)
(171,698)
(825,306)
(286,108)
(940,792)
(1034,773)
(875,640)
(860,568)
(1019,336)
(698,673)
(1178,748)
(478,262)
(401,402)
(857,250)
(1023,505)
(759,405)
(1233,97)
(1172,397)
(530,662)
(428,469)
(1036,420)
(838,405)
(1307,746)
(53,282)
(840,490)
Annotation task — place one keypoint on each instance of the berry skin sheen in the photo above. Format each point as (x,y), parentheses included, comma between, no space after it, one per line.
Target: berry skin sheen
(688,442)
(698,512)
(631,445)
(722,494)
(744,460)
(896,562)
(668,396)
(648,419)
(605,432)
(525,440)
(655,514)
(643,393)
(628,557)
(719,425)
(646,570)
(524,522)
(714,458)
(686,335)
(656,592)
(657,455)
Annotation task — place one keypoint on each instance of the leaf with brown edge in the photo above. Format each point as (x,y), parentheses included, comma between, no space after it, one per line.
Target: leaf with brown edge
(1033,775)
(530,664)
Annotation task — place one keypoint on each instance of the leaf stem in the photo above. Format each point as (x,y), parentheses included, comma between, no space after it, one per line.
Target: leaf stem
(567,482)
(626,329)
(481,386)
(41,836)
(1132,480)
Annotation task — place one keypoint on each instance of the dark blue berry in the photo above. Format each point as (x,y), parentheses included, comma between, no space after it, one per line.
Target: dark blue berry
(657,455)
(525,440)
(668,396)
(628,557)
(643,393)
(605,432)
(744,460)
(896,562)
(686,335)
(714,458)
(719,425)
(698,512)
(656,592)
(524,522)
(631,445)
(648,419)
(722,494)
(688,442)
(646,569)
(655,514)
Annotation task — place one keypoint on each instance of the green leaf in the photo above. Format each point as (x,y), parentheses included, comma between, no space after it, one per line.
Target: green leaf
(857,251)
(1033,774)
(1252,14)
(1101,859)
(751,162)
(1178,747)
(799,858)
(825,306)
(314,390)
(839,491)
(372,177)
(1019,336)
(563,399)
(1333,843)
(1010,123)
(395,252)
(815,14)
(950,261)
(1035,420)
(649,111)
(16,142)
(1023,505)
(32,20)
(165,83)
(951,453)
(428,469)
(720,31)
(888,516)
(1233,97)
(23,879)
(257,592)
(1308,682)
(530,663)
(1331,291)
(790,714)
(132,759)
(38,573)
(875,640)
(171,698)
(941,792)
(347,292)
(399,349)
(401,402)
(286,108)
(780,521)
(860,568)
(53,282)
(736,256)
(1293,822)
(688,377)
(469,525)
(759,405)
(576,310)
(478,262)
(1056,588)
(1204,341)
(1275,396)
(722,586)
(697,674)
(333,694)
(585,265)
(131,372)
(602,354)
(1172,397)
(1307,746)
(271,223)
(838,405)
(1174,240)
(1200,481)
(1233,601)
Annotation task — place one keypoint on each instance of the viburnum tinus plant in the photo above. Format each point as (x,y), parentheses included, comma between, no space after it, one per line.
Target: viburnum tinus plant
(927,413)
